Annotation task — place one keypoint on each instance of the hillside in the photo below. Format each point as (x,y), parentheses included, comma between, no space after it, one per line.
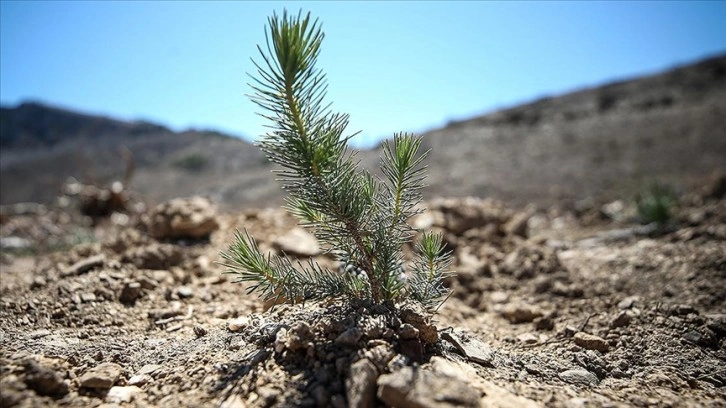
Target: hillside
(605,141)
(602,142)
(48,145)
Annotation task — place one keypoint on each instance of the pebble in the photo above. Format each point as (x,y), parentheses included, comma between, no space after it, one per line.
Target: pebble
(88,297)
(628,302)
(415,315)
(380,355)
(199,331)
(528,338)
(233,401)
(499,297)
(407,332)
(544,323)
(193,217)
(139,379)
(521,313)
(579,376)
(102,376)
(492,394)
(238,323)
(360,386)
(39,333)
(415,387)
(185,292)
(280,340)
(349,337)
(591,342)
(118,395)
(43,380)
(471,347)
(130,292)
(149,369)
(621,320)
(299,336)
(297,241)
(517,225)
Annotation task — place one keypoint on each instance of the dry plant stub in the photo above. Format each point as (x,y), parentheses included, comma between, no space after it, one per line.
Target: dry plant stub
(360,219)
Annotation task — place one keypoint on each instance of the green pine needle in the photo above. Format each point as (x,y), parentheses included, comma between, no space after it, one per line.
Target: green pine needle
(360,219)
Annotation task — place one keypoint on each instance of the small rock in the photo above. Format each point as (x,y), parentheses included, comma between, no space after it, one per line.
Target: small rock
(199,331)
(544,323)
(194,218)
(155,256)
(234,401)
(149,369)
(693,336)
(621,320)
(44,381)
(139,379)
(591,342)
(238,323)
(380,355)
(349,337)
(628,302)
(415,315)
(102,376)
(118,395)
(499,296)
(682,310)
(299,242)
(528,338)
(494,395)
(185,292)
(471,347)
(412,348)
(517,225)
(299,336)
(280,340)
(13,242)
(407,332)
(717,323)
(40,333)
(579,376)
(521,313)
(130,292)
(360,386)
(88,297)
(415,387)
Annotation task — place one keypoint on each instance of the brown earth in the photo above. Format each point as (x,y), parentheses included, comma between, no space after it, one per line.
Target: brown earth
(558,307)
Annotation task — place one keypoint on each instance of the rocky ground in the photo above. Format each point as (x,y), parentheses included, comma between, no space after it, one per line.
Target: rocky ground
(572,306)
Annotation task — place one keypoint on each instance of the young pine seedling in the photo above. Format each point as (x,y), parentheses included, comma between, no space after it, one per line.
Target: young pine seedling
(359,218)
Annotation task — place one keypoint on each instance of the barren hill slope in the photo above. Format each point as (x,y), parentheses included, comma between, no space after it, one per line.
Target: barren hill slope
(604,142)
(47,145)
(599,142)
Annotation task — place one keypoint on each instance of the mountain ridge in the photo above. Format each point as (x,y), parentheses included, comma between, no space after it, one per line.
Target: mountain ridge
(599,141)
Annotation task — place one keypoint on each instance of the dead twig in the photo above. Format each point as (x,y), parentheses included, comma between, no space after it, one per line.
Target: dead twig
(187,316)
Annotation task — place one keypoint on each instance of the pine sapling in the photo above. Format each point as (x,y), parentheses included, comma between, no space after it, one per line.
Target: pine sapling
(359,218)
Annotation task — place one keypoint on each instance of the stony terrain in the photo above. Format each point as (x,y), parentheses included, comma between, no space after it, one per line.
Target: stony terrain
(570,306)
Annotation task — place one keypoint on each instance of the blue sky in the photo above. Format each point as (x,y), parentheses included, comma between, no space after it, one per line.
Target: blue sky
(393,66)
